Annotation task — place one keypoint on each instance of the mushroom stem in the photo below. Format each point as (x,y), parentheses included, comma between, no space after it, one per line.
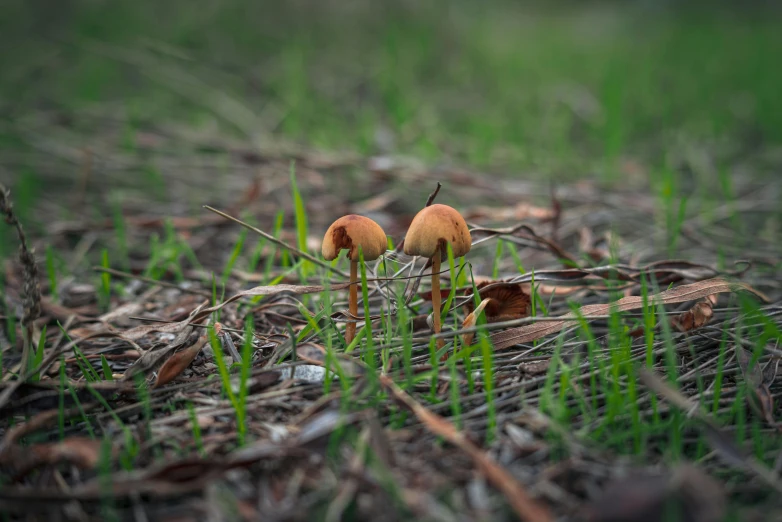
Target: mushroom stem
(436,297)
(350,328)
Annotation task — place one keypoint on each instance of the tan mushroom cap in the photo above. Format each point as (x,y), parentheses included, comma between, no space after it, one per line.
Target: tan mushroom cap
(433,227)
(351,231)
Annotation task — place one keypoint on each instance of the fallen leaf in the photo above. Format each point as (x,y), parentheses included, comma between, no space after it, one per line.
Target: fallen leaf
(508,301)
(524,506)
(679,294)
(178,362)
(699,315)
(151,359)
(470,321)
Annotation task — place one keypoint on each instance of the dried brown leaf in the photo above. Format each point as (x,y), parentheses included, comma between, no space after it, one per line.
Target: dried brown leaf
(699,315)
(679,294)
(178,362)
(508,301)
(470,321)
(152,358)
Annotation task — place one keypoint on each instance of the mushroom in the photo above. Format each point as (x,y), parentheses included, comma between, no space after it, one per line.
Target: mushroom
(349,233)
(428,236)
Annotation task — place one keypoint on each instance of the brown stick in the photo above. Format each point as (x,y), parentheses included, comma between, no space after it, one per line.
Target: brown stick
(350,328)
(436,297)
(433,195)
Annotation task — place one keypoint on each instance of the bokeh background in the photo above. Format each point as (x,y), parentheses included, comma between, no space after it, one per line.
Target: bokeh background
(181,102)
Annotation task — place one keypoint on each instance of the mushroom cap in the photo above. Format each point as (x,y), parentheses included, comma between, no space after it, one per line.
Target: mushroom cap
(434,227)
(351,231)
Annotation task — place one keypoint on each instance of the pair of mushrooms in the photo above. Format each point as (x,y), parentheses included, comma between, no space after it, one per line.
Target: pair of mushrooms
(432,229)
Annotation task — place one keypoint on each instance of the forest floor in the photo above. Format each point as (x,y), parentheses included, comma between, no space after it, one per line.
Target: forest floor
(619,174)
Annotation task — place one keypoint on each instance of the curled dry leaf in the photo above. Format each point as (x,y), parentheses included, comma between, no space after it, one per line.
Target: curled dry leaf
(680,294)
(178,362)
(470,321)
(699,315)
(508,301)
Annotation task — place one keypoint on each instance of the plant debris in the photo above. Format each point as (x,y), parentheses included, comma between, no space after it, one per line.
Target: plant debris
(204,368)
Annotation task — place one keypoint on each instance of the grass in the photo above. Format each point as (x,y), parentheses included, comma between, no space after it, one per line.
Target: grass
(634,99)
(37,357)
(238,400)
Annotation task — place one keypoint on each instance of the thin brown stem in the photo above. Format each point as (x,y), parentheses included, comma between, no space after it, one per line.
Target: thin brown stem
(436,297)
(433,195)
(350,329)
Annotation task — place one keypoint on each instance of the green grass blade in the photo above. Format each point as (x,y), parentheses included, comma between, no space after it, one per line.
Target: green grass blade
(300,215)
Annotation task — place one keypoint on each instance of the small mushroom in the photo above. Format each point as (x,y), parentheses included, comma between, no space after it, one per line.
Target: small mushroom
(349,233)
(428,236)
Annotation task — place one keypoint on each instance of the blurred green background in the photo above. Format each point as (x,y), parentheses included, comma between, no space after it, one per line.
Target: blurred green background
(624,92)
